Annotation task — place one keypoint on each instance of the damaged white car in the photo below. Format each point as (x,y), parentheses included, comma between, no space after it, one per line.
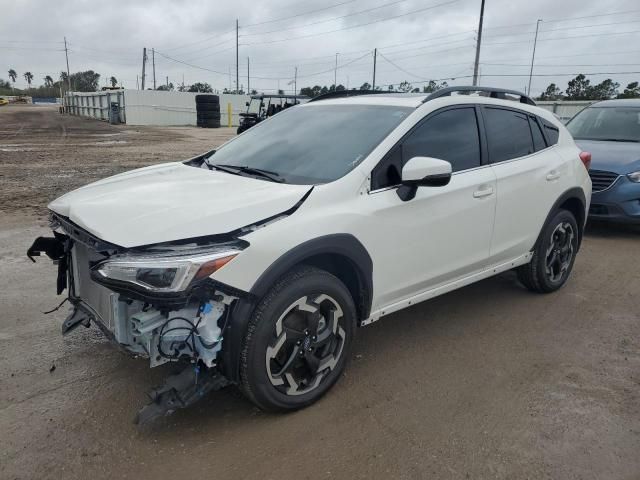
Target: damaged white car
(254,264)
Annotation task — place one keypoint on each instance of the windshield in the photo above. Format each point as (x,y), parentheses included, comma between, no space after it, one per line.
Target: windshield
(620,124)
(314,144)
(254,105)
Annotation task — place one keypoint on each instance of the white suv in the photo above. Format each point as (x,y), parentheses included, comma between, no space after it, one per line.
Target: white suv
(255,263)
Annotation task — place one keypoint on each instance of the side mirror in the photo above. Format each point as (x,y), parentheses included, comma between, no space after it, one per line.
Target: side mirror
(423,172)
(246,104)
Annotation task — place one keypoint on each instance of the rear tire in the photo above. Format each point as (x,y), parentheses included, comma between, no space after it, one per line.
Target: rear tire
(553,255)
(298,340)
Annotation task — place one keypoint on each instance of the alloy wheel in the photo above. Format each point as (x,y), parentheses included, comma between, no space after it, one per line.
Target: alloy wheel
(560,251)
(308,343)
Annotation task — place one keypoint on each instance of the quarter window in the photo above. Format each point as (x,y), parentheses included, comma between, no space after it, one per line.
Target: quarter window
(538,138)
(552,133)
(508,134)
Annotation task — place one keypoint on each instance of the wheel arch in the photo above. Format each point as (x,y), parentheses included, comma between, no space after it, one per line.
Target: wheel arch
(575,202)
(340,254)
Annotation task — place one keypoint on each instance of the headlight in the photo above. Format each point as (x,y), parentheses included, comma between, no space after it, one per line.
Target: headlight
(161,273)
(634,177)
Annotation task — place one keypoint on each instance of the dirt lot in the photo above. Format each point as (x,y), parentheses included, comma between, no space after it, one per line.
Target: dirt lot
(490,381)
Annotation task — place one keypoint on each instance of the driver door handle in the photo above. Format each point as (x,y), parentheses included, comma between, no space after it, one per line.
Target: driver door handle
(483,192)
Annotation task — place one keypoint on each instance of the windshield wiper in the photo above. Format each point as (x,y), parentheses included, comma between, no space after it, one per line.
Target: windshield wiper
(269,175)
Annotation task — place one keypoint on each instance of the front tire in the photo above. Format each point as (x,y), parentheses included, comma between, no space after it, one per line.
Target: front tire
(553,255)
(298,340)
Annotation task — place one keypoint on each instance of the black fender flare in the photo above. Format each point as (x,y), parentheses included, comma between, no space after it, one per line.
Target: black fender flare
(573,193)
(342,244)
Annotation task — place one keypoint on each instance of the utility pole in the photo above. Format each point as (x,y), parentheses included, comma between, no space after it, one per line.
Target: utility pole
(66,54)
(144,63)
(479,41)
(248,85)
(533,57)
(167,82)
(137,83)
(375,56)
(335,74)
(153,61)
(295,85)
(237,66)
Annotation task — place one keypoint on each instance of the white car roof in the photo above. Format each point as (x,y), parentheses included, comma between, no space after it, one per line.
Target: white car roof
(415,100)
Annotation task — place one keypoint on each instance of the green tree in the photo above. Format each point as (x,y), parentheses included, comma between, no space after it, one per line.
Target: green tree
(552,92)
(365,86)
(604,90)
(28,76)
(166,88)
(87,81)
(434,86)
(201,88)
(405,87)
(13,75)
(254,91)
(113,81)
(48,81)
(579,88)
(631,91)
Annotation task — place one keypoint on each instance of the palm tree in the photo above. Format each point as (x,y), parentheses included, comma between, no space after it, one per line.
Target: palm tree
(114,81)
(28,76)
(48,81)
(13,75)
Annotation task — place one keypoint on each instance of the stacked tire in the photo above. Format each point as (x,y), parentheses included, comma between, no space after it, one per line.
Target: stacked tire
(208,111)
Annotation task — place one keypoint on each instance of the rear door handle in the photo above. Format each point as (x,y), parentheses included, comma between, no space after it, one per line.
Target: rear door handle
(553,175)
(483,192)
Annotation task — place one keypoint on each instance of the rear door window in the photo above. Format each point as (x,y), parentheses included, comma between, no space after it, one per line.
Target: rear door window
(508,134)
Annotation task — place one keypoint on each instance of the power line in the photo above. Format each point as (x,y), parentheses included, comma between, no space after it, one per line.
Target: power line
(563,29)
(326,21)
(560,20)
(336,68)
(399,67)
(297,15)
(203,40)
(565,65)
(356,26)
(565,38)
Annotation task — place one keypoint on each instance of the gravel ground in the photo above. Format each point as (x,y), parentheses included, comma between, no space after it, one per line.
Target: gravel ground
(489,381)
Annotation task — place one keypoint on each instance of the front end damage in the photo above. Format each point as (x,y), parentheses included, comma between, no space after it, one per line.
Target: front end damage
(156,302)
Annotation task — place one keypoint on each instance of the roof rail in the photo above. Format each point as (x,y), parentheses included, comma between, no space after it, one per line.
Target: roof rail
(493,93)
(346,93)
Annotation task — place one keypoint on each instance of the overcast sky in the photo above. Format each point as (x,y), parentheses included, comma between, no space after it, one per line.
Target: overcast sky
(427,39)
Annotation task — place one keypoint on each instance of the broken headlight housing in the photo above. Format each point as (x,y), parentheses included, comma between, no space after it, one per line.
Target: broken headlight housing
(162,273)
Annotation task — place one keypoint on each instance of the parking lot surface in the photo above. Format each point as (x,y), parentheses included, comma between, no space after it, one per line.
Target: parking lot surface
(490,381)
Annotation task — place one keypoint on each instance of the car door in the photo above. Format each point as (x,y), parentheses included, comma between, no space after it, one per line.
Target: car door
(529,174)
(443,233)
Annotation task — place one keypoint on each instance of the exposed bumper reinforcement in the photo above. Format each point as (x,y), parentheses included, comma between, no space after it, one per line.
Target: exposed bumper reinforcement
(180,391)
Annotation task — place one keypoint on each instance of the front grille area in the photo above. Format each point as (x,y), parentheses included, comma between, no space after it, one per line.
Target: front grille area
(602,180)
(99,298)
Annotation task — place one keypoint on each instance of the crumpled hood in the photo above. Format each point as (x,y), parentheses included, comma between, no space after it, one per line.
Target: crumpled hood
(173,201)
(618,157)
